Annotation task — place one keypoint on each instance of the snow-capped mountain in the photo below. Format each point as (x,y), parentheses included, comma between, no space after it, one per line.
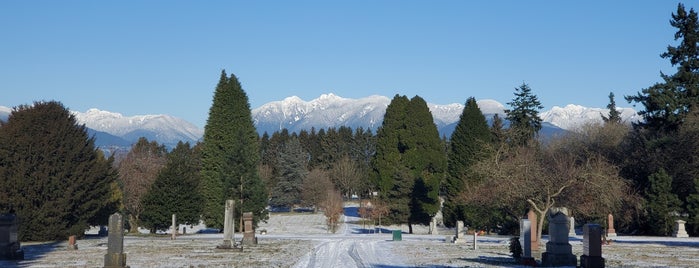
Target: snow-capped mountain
(115,130)
(330,110)
(165,129)
(572,116)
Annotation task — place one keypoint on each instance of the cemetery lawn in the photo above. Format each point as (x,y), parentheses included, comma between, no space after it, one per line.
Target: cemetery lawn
(302,240)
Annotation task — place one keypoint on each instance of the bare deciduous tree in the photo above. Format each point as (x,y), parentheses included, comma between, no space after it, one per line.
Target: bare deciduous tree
(346,175)
(554,174)
(137,172)
(314,188)
(333,208)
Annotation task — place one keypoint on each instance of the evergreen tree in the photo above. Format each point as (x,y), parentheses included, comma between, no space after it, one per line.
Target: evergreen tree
(661,203)
(666,104)
(171,193)
(525,122)
(410,161)
(292,172)
(426,160)
(693,209)
(468,145)
(51,174)
(614,115)
(230,156)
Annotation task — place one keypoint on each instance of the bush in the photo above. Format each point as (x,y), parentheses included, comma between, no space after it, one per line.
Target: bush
(515,248)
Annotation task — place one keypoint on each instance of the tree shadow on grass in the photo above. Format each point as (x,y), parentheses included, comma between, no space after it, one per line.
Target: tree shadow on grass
(32,253)
(477,262)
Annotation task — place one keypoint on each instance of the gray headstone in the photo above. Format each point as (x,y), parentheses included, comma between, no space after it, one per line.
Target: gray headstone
(174,227)
(10,248)
(571,231)
(592,247)
(525,237)
(679,230)
(229,228)
(459,233)
(115,257)
(558,251)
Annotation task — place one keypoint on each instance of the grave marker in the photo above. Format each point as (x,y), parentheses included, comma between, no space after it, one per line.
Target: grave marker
(592,247)
(531,216)
(459,235)
(115,257)
(571,231)
(558,251)
(229,227)
(10,248)
(174,227)
(71,243)
(610,226)
(249,234)
(678,230)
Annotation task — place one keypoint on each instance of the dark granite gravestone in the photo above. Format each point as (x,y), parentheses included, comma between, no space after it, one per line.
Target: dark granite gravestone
(10,248)
(592,247)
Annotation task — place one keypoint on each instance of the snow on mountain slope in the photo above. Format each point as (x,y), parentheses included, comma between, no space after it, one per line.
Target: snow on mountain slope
(326,111)
(572,116)
(163,128)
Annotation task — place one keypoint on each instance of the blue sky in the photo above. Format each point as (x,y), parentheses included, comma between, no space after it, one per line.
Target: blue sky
(165,57)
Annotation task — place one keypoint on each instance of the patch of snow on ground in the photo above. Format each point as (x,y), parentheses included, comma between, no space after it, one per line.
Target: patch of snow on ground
(302,240)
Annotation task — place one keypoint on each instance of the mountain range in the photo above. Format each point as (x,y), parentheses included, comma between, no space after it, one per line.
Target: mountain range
(114,131)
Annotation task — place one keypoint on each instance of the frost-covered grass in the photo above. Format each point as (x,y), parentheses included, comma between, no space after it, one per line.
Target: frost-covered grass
(293,240)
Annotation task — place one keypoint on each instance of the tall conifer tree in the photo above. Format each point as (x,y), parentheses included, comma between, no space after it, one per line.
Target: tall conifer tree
(51,174)
(468,145)
(525,122)
(668,103)
(230,156)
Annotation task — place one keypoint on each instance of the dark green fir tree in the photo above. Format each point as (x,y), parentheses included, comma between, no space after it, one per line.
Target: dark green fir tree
(230,156)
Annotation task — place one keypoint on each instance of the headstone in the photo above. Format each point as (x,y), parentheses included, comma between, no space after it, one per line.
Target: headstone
(433,226)
(249,234)
(571,231)
(174,227)
(459,233)
(228,226)
(475,240)
(610,226)
(678,230)
(10,248)
(72,245)
(525,233)
(558,251)
(531,216)
(525,237)
(115,257)
(592,247)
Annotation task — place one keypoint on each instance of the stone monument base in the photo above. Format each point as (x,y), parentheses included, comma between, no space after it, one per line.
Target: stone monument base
(549,259)
(591,261)
(115,260)
(528,261)
(228,246)
(249,241)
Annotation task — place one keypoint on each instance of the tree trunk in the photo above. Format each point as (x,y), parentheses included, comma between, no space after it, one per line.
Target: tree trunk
(133,224)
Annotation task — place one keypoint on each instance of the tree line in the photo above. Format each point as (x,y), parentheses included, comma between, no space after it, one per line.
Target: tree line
(485,174)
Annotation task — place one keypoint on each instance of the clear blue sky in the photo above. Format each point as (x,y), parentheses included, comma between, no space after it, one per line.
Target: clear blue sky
(165,57)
